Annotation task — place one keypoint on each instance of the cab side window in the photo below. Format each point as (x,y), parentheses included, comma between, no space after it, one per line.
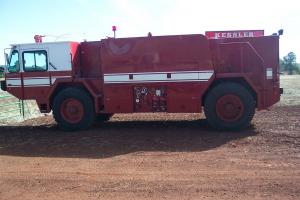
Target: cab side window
(35,61)
(14,65)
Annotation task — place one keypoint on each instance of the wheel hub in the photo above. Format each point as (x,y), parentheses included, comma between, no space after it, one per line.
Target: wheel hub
(72,110)
(229,108)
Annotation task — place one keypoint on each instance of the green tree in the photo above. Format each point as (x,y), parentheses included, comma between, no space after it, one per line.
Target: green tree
(1,72)
(289,64)
(281,66)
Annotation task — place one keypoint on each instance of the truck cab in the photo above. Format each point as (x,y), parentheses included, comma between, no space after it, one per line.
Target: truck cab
(33,68)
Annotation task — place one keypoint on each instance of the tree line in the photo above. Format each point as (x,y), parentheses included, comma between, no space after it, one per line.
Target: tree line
(288,64)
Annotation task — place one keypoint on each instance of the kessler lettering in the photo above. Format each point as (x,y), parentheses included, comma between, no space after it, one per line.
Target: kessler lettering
(234,34)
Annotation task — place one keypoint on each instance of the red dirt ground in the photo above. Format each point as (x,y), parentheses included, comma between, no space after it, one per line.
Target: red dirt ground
(153,156)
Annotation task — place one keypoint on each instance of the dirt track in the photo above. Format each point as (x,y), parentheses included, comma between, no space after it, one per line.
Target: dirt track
(147,157)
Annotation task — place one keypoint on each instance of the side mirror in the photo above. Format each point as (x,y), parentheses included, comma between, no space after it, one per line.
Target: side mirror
(280,32)
(6,58)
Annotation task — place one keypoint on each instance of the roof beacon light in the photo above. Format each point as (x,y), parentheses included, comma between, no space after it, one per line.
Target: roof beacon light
(38,38)
(114,29)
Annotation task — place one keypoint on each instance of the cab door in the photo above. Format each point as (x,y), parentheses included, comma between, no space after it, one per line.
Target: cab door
(36,79)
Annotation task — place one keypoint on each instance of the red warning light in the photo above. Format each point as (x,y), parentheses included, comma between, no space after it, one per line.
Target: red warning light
(114,29)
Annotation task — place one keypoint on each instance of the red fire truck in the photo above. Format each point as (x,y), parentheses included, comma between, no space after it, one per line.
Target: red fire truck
(228,77)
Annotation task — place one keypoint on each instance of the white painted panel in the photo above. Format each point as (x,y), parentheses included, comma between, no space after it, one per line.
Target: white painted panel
(205,75)
(58,53)
(158,77)
(13,82)
(37,81)
(269,73)
(32,81)
(161,81)
(172,72)
(149,77)
(184,76)
(60,57)
(114,78)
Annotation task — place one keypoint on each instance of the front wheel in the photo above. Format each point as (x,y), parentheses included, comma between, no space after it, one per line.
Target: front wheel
(229,106)
(73,109)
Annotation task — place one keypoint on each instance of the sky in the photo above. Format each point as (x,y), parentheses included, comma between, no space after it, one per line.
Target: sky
(76,20)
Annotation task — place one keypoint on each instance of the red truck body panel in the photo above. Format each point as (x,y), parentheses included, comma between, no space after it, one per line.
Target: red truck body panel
(161,73)
(165,63)
(250,57)
(90,60)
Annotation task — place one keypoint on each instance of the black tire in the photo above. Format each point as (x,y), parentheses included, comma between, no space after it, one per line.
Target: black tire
(103,117)
(81,97)
(243,111)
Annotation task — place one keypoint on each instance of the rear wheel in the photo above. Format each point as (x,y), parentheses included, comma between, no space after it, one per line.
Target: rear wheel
(73,109)
(229,106)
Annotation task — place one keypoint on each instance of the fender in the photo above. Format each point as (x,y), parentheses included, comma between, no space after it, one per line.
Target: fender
(247,79)
(69,82)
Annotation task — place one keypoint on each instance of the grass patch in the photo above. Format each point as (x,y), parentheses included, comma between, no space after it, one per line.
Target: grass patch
(291,90)
(11,109)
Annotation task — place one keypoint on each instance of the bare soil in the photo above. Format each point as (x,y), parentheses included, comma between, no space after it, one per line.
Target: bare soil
(153,156)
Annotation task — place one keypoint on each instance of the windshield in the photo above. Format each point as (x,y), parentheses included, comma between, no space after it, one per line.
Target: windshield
(14,65)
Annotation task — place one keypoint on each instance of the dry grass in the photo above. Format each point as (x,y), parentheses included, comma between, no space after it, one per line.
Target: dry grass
(13,113)
(291,88)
